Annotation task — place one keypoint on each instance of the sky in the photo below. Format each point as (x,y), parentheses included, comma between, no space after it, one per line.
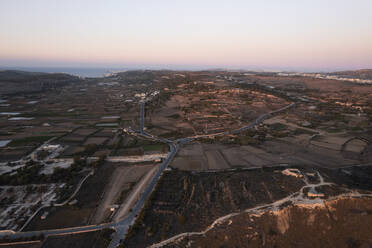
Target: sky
(302,35)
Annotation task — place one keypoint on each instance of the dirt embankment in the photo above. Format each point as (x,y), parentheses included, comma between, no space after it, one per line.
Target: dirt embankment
(338,223)
(187,201)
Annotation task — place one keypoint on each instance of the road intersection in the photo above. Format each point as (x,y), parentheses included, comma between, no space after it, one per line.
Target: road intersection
(122,226)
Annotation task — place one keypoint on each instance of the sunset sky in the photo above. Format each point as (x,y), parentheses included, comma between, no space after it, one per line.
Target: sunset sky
(246,34)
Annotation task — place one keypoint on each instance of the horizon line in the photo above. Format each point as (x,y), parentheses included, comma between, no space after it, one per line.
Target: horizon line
(177,68)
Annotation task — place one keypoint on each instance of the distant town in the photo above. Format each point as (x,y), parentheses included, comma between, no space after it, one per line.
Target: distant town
(327,76)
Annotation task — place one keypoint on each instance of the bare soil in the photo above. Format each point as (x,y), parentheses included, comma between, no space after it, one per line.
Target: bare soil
(342,223)
(186,201)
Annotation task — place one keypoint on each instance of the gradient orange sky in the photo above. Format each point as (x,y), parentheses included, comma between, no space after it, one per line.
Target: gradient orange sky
(266,34)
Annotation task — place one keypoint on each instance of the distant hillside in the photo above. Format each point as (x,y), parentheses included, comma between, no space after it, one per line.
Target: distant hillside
(23,76)
(137,77)
(14,82)
(362,74)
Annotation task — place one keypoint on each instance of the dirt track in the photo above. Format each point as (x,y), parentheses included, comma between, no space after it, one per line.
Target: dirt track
(120,179)
(135,194)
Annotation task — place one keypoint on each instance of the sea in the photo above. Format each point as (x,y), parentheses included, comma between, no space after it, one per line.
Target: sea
(76,71)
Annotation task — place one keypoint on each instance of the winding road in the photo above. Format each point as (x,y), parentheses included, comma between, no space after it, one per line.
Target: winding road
(122,226)
(296,198)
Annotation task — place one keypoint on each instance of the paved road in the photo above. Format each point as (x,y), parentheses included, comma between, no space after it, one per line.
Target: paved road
(58,204)
(135,194)
(142,117)
(256,122)
(123,225)
(62,231)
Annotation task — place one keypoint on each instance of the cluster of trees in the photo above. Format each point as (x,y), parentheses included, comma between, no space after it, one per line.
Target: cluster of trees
(31,173)
(25,175)
(70,175)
